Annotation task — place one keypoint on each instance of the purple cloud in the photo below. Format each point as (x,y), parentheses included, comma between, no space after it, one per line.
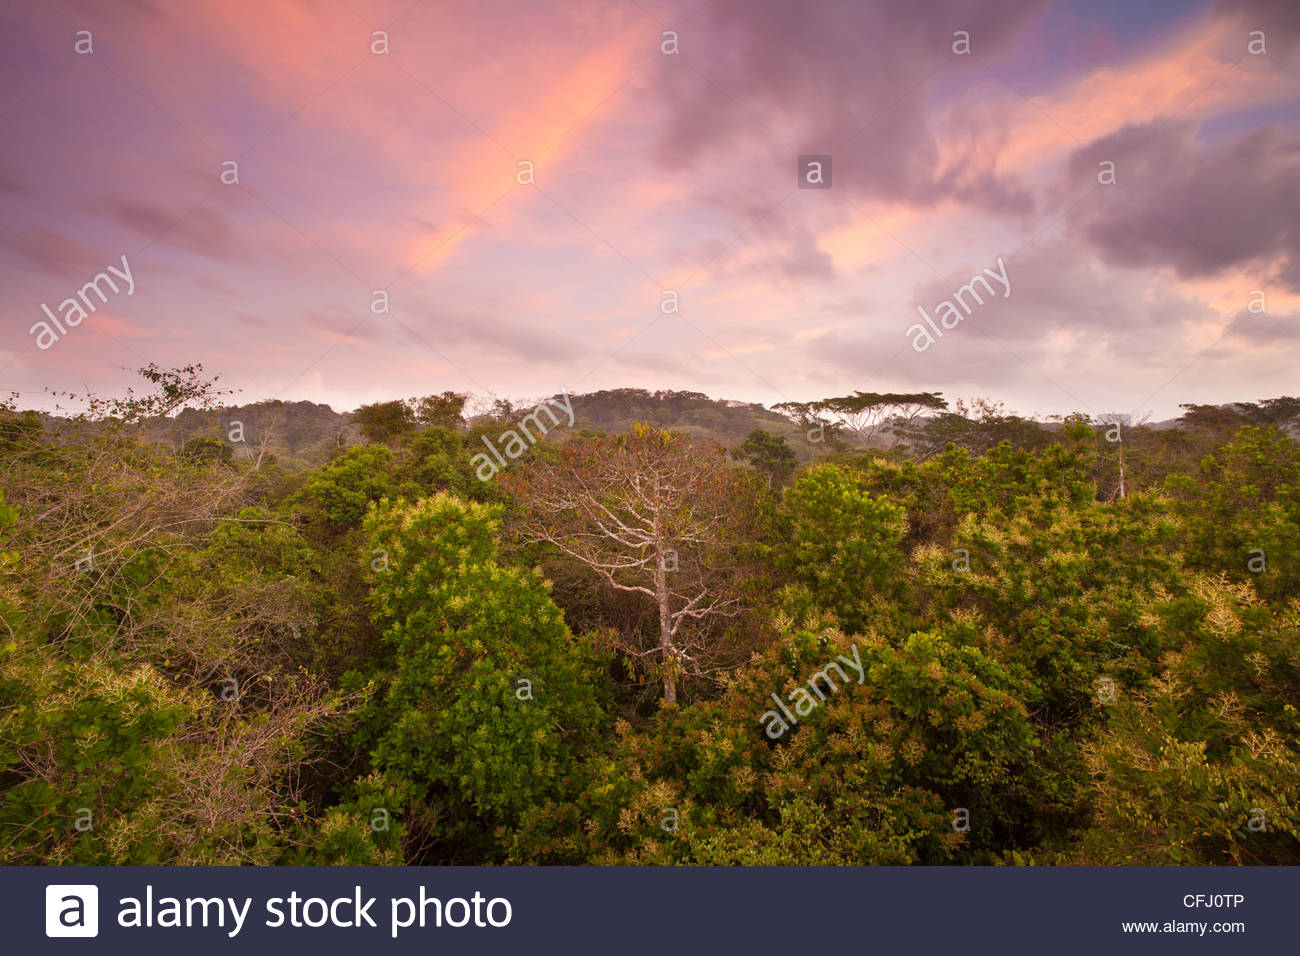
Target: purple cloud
(844,78)
(1198,209)
(54,253)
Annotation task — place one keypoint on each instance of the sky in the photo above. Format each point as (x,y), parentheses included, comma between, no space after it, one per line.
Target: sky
(349,201)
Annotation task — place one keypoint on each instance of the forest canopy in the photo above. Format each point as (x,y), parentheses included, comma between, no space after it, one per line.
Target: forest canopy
(867,629)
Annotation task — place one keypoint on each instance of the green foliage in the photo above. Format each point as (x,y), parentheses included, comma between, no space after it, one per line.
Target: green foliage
(1087,649)
(342,491)
(770,454)
(149,709)
(1242,511)
(1203,765)
(978,426)
(387,422)
(874,774)
(844,544)
(492,699)
(436,460)
(100,741)
(206,450)
(1061,586)
(440,411)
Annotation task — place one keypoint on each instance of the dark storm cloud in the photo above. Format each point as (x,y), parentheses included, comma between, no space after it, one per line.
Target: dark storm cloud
(846,78)
(1200,209)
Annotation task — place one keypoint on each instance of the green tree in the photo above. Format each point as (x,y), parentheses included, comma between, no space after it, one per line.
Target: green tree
(1242,511)
(341,491)
(872,415)
(207,450)
(1203,765)
(769,454)
(843,543)
(440,411)
(149,711)
(492,701)
(389,423)
(872,775)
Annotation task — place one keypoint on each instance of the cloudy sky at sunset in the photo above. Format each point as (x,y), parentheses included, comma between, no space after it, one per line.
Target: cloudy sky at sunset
(399,171)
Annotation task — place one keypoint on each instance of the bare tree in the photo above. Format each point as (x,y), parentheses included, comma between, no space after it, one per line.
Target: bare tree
(267,435)
(650,513)
(1113,428)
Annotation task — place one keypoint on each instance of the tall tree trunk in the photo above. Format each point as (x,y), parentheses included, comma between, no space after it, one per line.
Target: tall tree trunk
(666,634)
(665,609)
(1122,490)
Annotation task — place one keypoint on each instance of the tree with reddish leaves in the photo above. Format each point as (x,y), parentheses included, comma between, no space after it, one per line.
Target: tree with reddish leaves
(651,513)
